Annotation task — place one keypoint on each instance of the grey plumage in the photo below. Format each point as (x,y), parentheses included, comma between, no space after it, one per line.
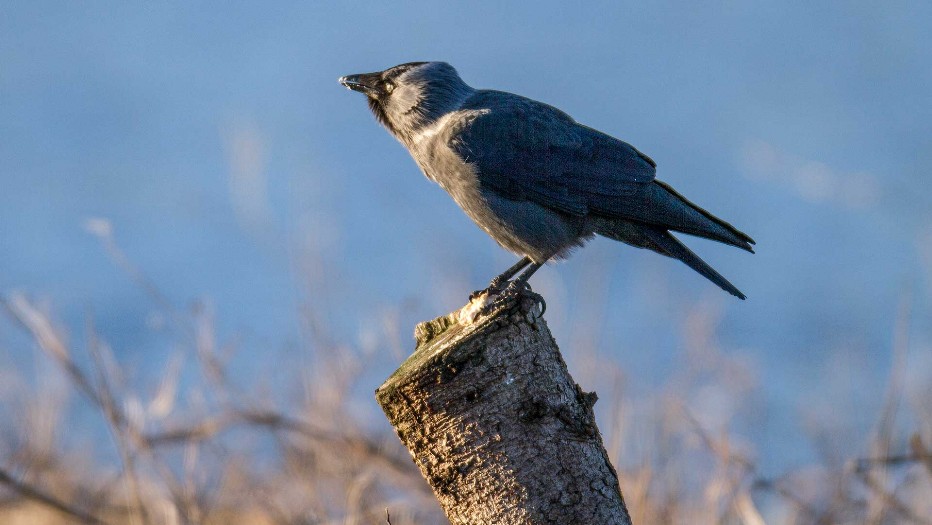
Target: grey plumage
(533,178)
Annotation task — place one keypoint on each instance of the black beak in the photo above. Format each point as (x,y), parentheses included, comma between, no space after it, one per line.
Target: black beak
(364,83)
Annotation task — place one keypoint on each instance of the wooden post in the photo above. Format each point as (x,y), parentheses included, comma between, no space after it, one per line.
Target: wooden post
(497,426)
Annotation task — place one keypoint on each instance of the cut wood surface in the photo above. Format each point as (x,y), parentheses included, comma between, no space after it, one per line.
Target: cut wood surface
(497,426)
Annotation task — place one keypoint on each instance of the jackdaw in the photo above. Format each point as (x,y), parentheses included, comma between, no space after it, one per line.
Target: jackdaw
(533,178)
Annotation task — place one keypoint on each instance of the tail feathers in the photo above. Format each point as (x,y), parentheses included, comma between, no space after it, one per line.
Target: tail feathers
(678,214)
(663,242)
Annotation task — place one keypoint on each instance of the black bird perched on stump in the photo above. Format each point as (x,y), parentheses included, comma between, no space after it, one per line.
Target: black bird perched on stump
(533,178)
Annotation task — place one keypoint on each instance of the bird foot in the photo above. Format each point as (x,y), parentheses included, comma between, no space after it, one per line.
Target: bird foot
(495,287)
(509,295)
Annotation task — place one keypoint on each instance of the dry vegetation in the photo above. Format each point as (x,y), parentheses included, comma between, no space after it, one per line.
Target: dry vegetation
(197,447)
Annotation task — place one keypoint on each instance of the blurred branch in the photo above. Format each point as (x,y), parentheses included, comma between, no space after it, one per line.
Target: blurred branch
(882,439)
(865,464)
(890,500)
(736,496)
(35,494)
(921,451)
(275,421)
(775,486)
(103,230)
(48,339)
(121,429)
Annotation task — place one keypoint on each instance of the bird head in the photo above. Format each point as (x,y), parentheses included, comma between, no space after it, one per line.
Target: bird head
(407,97)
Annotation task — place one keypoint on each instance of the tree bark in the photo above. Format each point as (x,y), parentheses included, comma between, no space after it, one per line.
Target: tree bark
(497,426)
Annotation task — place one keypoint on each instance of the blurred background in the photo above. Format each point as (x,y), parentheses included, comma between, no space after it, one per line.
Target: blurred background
(202,231)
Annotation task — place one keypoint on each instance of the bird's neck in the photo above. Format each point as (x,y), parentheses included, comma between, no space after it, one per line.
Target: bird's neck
(428,118)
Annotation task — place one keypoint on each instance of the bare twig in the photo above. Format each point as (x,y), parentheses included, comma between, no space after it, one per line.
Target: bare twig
(890,499)
(103,230)
(48,339)
(40,496)
(122,431)
(921,451)
(864,464)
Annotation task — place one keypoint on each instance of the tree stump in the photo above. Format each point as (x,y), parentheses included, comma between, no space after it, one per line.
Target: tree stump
(497,426)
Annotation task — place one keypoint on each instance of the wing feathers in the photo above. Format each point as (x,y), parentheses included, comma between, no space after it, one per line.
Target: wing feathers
(526,149)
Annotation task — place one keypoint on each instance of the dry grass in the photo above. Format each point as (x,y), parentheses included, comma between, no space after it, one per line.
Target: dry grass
(227,457)
(197,448)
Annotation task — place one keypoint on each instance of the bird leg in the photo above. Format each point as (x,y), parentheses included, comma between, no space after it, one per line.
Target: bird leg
(516,289)
(499,282)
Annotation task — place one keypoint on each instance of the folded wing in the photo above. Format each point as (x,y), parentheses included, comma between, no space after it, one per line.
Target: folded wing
(526,150)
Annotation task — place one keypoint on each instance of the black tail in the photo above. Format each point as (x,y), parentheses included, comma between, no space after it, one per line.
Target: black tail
(678,214)
(696,221)
(667,244)
(658,239)
(660,205)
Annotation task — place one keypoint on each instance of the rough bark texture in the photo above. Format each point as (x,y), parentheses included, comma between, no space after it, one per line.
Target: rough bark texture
(497,426)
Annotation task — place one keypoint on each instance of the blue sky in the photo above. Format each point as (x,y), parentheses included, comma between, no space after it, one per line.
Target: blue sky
(216,142)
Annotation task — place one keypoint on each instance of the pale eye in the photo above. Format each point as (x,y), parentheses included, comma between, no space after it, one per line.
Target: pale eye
(389,87)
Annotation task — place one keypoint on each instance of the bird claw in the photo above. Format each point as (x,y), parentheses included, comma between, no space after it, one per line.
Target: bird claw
(509,295)
(495,287)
